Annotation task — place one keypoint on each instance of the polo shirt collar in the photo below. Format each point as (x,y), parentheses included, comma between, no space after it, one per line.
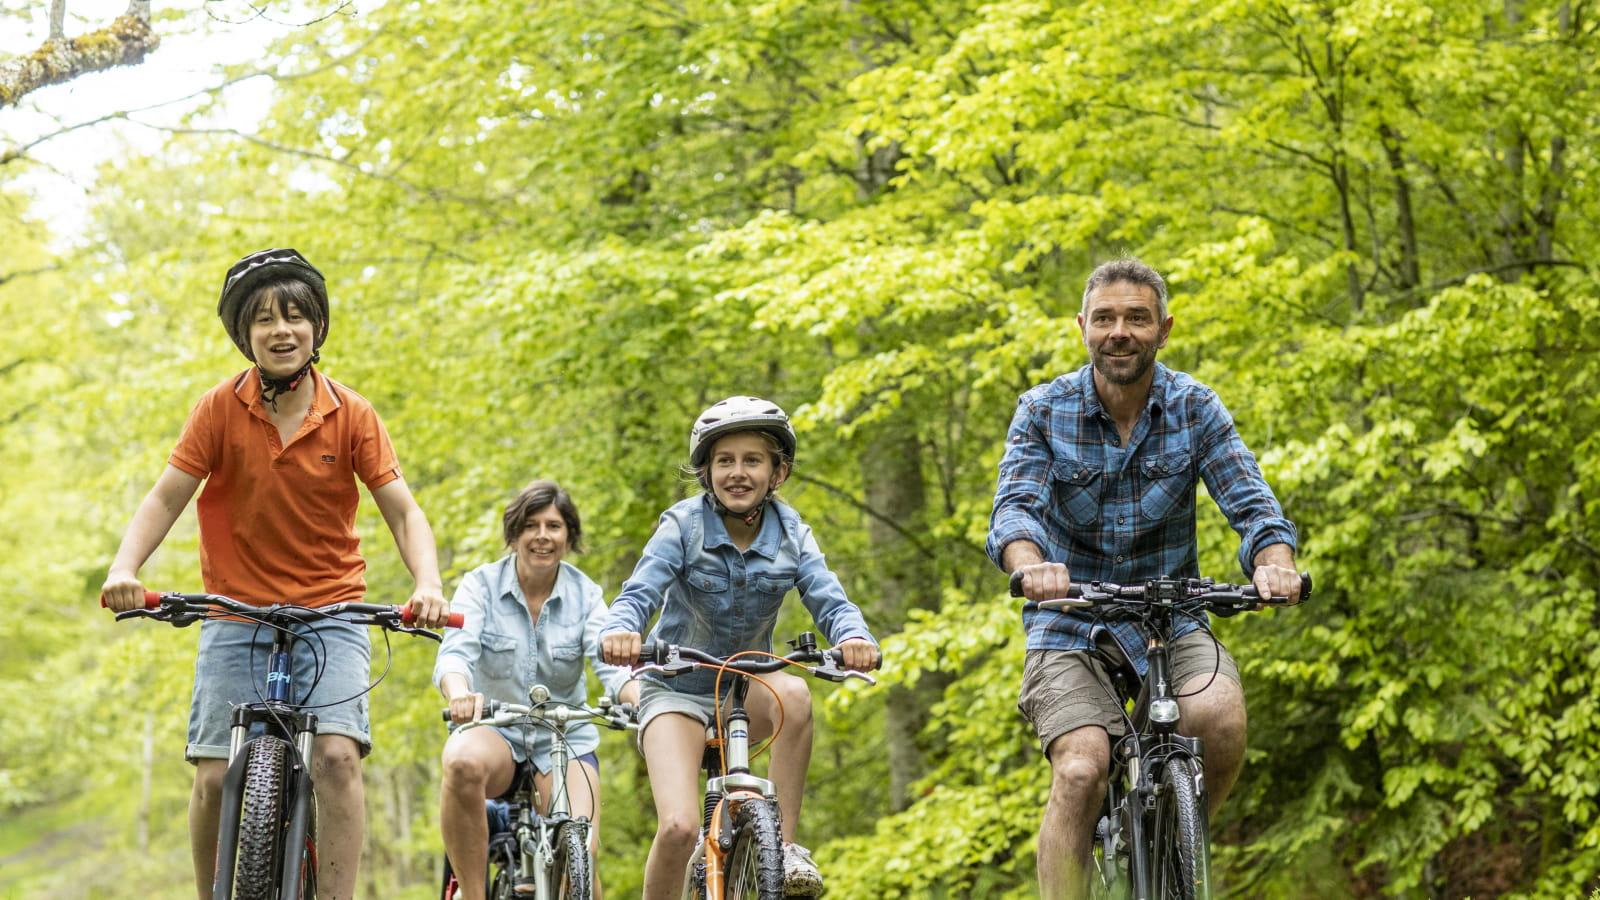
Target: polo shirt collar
(247,387)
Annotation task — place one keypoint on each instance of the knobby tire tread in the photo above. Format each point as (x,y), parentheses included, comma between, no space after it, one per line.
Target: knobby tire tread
(574,881)
(261,821)
(755,864)
(1189,847)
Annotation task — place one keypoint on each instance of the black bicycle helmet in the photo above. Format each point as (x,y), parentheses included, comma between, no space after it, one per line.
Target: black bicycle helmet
(259,268)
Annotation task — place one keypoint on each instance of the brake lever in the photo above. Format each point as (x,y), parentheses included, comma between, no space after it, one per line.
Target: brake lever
(829,670)
(141,613)
(434,636)
(675,665)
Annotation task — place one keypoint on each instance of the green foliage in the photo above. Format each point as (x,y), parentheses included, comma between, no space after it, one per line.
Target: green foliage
(552,239)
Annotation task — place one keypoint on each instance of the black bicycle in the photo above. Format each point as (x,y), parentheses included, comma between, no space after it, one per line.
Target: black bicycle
(740,851)
(1152,838)
(266,841)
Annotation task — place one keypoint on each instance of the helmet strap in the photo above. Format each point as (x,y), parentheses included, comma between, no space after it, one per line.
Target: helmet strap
(273,387)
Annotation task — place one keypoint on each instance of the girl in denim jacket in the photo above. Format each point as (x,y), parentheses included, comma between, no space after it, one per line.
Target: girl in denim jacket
(717,568)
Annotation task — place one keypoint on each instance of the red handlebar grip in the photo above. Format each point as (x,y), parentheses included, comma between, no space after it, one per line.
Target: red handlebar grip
(152,600)
(454,621)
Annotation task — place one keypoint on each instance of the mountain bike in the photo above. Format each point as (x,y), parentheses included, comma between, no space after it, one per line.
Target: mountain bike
(532,855)
(1152,840)
(267,839)
(740,850)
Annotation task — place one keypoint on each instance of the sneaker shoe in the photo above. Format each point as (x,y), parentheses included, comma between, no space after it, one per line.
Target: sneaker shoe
(800,875)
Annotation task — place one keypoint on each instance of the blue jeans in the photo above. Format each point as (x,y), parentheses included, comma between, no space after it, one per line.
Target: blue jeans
(231,670)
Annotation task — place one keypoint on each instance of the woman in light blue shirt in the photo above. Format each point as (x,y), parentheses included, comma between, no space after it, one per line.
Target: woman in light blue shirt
(717,568)
(529,618)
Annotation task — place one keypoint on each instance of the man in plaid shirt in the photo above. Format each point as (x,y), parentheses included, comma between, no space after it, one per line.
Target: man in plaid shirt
(1098,484)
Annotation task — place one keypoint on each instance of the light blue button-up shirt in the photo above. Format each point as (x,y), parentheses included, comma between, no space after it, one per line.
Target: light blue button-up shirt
(502,651)
(718,599)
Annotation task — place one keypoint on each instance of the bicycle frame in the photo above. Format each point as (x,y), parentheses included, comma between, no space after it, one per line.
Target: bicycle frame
(725,792)
(535,834)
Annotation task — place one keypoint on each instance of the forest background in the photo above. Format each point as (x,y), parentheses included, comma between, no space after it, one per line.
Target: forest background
(554,231)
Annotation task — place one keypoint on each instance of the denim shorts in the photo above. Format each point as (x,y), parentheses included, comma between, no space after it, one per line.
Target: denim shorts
(231,669)
(658,699)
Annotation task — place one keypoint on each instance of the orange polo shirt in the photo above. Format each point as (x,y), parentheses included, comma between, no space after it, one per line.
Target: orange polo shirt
(277,521)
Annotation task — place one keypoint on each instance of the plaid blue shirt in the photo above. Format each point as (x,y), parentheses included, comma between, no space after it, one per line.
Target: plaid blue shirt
(1124,514)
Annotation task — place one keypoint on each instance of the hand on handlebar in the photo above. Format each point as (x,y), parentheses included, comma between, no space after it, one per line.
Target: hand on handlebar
(1044,581)
(621,648)
(122,592)
(427,607)
(859,655)
(1277,581)
(466,708)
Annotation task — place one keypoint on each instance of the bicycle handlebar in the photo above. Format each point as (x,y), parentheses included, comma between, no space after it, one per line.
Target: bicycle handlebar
(672,659)
(619,717)
(186,609)
(1202,593)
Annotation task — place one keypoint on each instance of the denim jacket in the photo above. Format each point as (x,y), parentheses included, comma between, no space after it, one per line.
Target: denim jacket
(503,652)
(715,598)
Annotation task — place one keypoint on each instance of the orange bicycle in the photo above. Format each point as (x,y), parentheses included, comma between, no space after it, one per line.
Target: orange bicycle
(740,851)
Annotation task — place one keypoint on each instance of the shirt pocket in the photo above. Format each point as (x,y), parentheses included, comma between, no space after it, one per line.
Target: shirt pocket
(1166,484)
(707,582)
(771,588)
(1075,491)
(498,658)
(566,667)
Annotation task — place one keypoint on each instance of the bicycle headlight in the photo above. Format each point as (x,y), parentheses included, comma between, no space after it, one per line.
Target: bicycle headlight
(1164,710)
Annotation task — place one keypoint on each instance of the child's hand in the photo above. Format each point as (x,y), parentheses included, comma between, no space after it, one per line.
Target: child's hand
(621,648)
(121,592)
(429,608)
(859,655)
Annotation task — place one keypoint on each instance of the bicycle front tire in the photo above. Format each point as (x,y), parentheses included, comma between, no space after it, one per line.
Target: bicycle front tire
(1183,859)
(261,821)
(755,863)
(574,881)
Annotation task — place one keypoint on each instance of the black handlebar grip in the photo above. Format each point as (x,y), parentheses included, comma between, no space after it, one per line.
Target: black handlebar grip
(1016,583)
(648,652)
(1305,586)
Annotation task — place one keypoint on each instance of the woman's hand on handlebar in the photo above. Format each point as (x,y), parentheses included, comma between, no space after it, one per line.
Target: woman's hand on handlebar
(859,655)
(466,707)
(1044,581)
(621,648)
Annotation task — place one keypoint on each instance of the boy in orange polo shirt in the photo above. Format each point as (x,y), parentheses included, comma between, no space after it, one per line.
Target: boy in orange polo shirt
(280,447)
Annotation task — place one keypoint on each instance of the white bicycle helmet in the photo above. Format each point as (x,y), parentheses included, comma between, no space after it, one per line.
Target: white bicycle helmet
(739,414)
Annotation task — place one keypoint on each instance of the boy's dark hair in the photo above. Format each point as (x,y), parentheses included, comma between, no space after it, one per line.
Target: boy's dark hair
(281,291)
(534,498)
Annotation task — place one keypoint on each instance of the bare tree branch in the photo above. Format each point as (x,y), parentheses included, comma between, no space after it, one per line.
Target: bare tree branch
(125,42)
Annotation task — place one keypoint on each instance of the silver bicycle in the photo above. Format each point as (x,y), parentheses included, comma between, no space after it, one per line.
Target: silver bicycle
(542,857)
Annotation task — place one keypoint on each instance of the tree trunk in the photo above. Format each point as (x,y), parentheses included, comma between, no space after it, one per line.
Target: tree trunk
(891,471)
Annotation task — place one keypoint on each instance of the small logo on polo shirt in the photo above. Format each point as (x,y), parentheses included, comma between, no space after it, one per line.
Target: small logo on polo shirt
(329,458)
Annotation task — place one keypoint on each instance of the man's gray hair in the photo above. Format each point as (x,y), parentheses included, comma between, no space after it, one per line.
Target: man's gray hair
(1132,271)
